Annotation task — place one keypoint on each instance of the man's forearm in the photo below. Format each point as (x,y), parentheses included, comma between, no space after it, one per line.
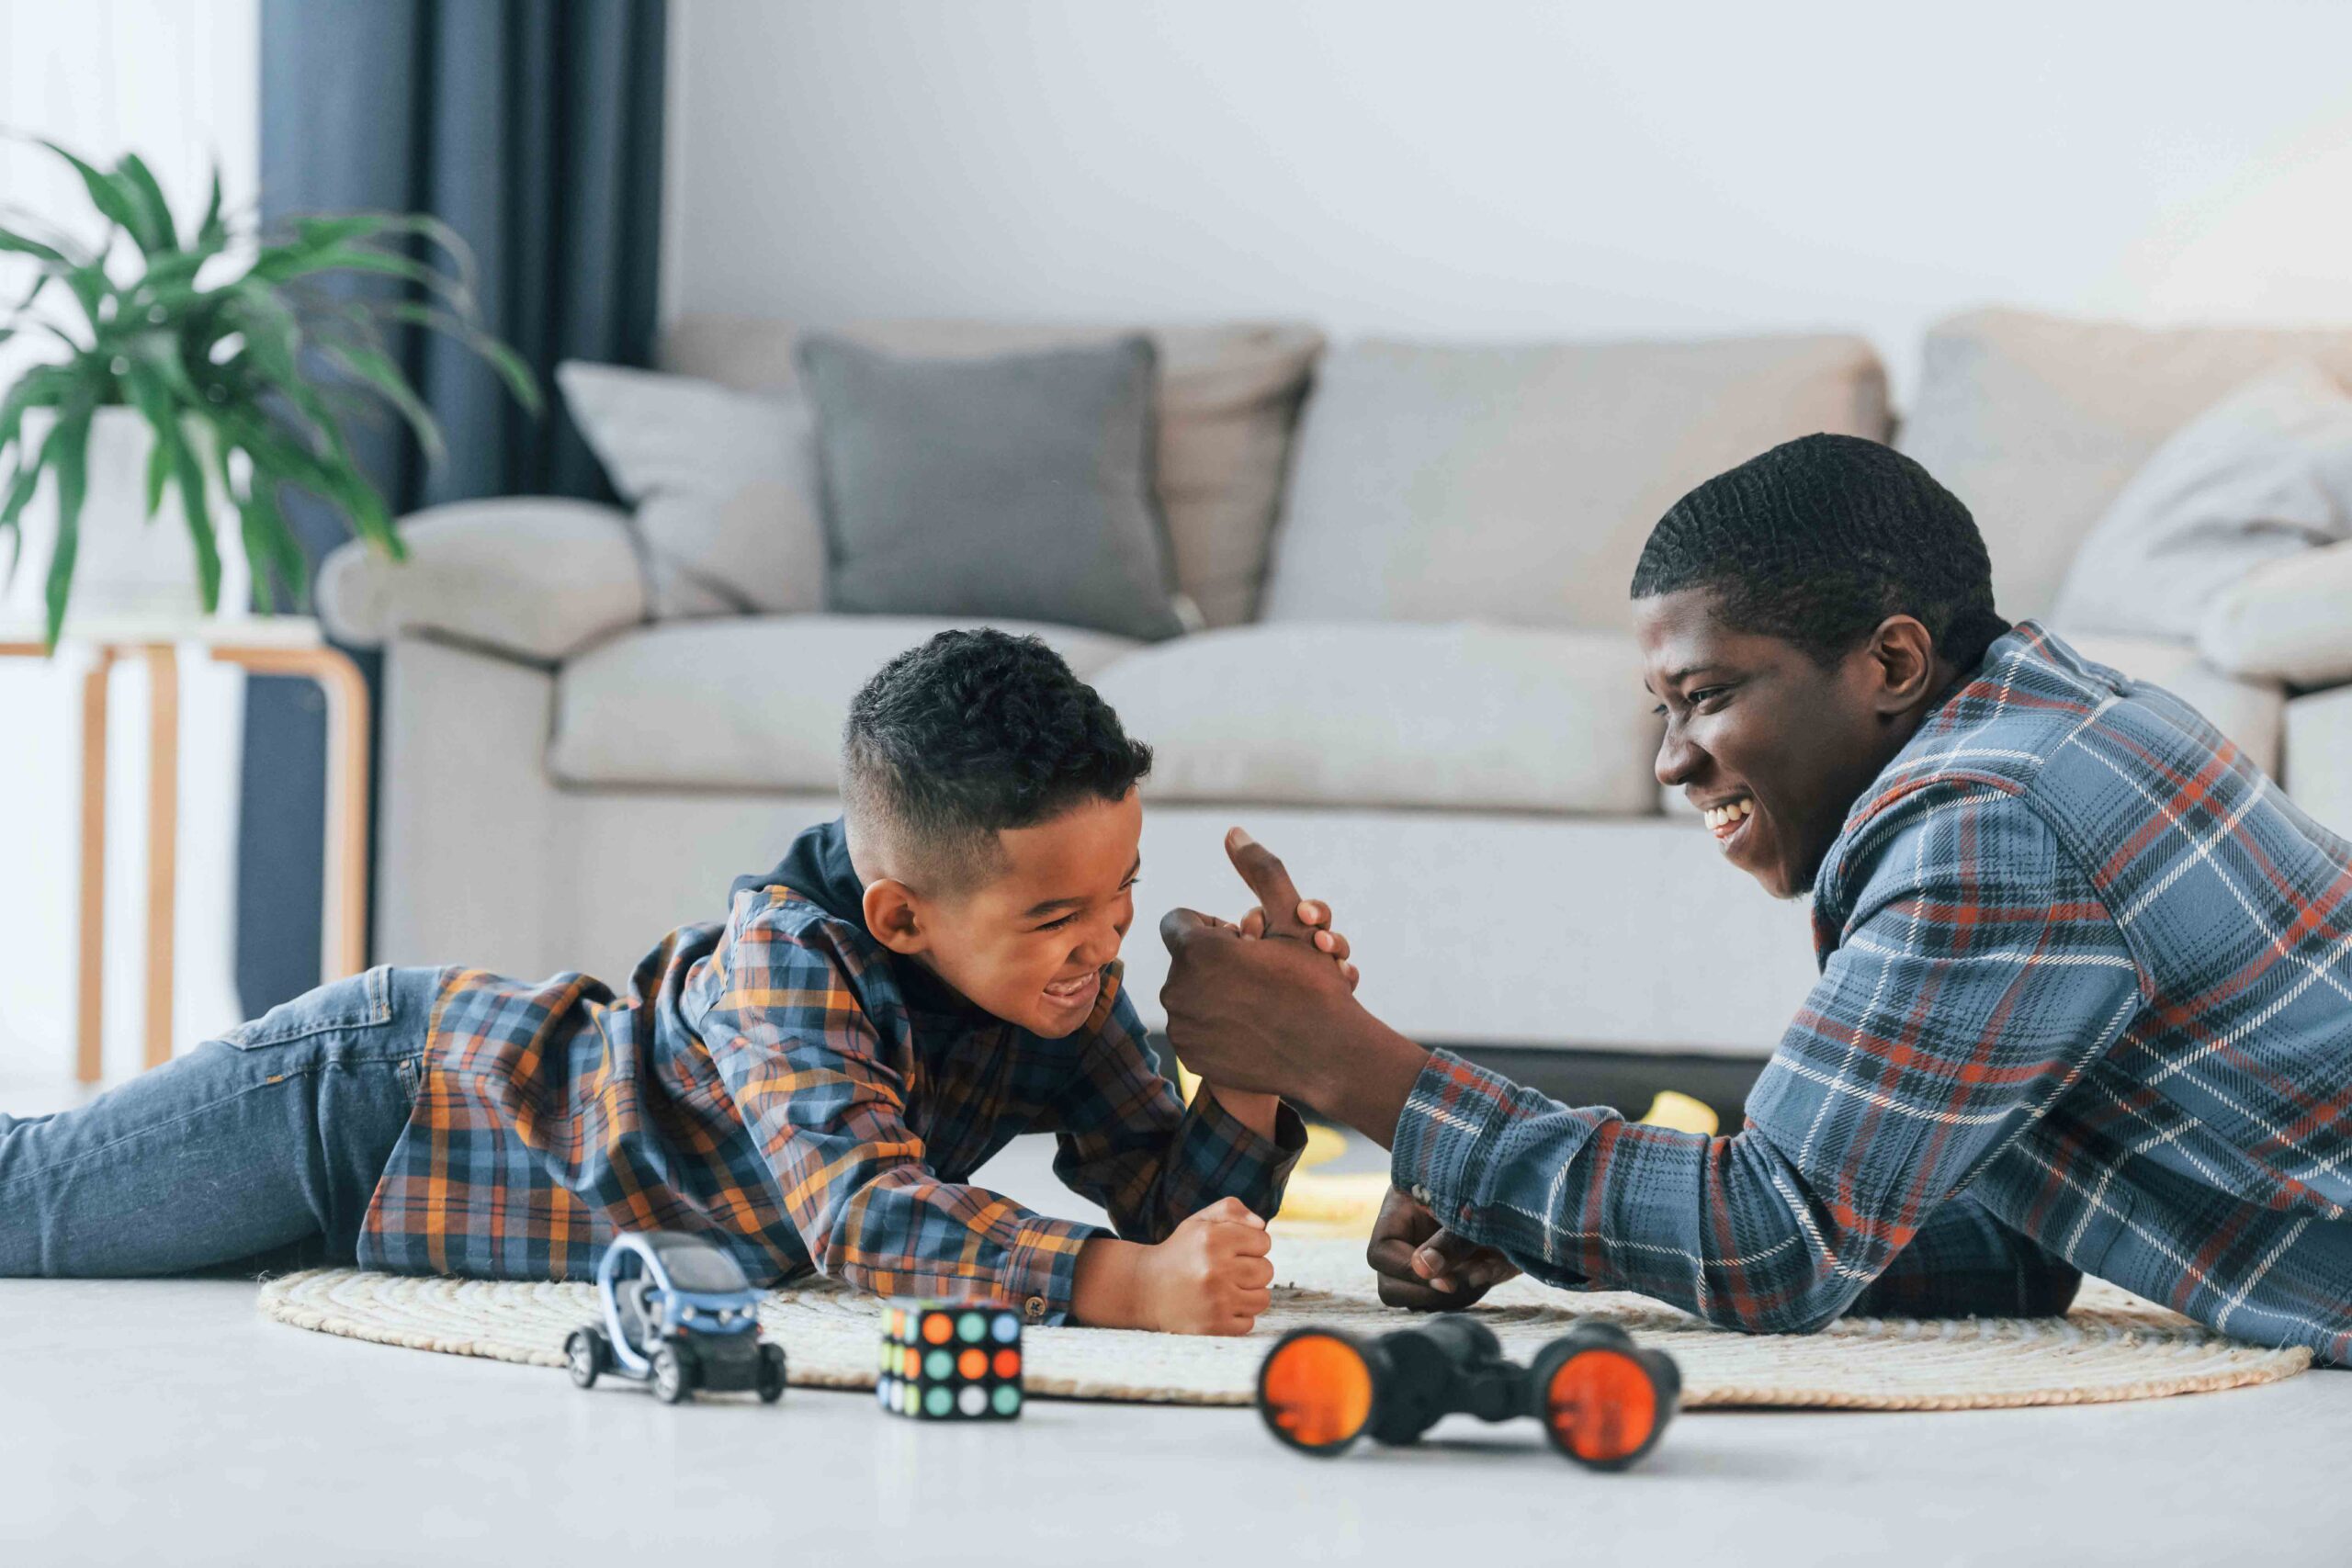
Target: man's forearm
(1371,1073)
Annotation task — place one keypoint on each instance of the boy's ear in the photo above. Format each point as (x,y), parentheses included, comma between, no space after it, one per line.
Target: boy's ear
(891,915)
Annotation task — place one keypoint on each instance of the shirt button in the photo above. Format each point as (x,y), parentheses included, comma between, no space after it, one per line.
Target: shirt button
(1420,1195)
(1034,1309)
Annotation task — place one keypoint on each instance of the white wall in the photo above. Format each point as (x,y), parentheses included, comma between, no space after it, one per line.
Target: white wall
(175,81)
(1480,168)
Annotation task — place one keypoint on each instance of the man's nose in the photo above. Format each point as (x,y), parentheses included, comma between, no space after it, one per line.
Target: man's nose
(1679,762)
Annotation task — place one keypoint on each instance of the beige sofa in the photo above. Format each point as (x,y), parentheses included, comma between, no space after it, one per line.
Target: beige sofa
(1417,683)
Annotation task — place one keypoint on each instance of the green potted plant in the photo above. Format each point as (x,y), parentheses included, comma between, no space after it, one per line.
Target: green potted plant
(183,368)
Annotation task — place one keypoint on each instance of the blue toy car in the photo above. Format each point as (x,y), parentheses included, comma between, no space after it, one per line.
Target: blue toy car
(678,1314)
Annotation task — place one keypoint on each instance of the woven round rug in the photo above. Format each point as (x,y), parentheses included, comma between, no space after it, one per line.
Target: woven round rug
(2110,1346)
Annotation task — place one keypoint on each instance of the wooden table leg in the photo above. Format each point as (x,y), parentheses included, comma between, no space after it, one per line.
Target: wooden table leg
(343,937)
(90,960)
(162,841)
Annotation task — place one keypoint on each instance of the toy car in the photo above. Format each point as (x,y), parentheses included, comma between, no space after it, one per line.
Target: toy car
(679,1314)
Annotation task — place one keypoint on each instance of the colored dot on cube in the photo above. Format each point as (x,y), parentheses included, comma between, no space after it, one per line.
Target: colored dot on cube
(950,1361)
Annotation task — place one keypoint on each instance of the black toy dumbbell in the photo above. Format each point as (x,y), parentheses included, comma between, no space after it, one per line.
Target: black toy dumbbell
(1603,1401)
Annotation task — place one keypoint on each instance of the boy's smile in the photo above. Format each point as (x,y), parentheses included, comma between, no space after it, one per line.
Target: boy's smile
(1031,943)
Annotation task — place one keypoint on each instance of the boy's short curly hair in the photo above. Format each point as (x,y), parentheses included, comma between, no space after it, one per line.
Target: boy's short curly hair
(1820,539)
(972,733)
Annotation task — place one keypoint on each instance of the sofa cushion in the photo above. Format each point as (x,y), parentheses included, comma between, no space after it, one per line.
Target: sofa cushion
(743,704)
(1466,716)
(1018,485)
(2264,475)
(1229,397)
(1518,483)
(724,484)
(2038,423)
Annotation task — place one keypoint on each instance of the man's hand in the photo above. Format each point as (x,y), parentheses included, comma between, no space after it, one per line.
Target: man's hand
(1423,1266)
(1311,919)
(1280,1017)
(1237,1005)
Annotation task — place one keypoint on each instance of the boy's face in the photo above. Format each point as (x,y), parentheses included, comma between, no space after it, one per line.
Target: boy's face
(1031,944)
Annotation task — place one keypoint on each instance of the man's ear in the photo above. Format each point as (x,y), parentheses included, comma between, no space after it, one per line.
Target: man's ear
(894,917)
(1903,660)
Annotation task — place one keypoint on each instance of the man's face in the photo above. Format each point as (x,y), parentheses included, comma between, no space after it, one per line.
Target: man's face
(1031,944)
(1774,747)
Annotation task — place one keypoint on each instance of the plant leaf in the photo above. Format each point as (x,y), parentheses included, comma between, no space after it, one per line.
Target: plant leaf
(154,232)
(194,506)
(68,452)
(511,367)
(43,386)
(286,262)
(12,241)
(105,194)
(378,370)
(212,230)
(155,405)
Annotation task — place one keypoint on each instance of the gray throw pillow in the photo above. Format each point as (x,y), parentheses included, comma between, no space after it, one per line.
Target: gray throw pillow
(1017,487)
(2263,475)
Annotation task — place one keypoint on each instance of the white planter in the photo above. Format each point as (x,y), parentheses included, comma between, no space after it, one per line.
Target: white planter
(126,564)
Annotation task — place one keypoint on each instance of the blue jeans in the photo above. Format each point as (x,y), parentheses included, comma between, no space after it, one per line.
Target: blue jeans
(266,1143)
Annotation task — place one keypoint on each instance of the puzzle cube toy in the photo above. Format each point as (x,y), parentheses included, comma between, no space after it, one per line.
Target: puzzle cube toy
(950,1361)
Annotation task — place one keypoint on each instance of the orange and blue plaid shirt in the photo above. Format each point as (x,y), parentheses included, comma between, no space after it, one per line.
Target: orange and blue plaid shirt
(2085,1004)
(787,1087)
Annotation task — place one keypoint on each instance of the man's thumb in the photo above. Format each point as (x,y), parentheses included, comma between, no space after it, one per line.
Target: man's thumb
(1180,926)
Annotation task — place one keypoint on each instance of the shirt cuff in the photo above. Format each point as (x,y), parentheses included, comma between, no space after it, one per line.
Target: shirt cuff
(1262,1164)
(1041,1269)
(1453,1108)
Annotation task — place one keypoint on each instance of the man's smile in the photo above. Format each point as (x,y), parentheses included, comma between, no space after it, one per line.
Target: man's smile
(1727,817)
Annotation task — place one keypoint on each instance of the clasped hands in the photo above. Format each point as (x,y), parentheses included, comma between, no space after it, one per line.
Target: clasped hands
(1268,1006)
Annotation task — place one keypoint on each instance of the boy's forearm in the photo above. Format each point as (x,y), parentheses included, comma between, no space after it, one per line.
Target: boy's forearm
(1106,1287)
(1256,1111)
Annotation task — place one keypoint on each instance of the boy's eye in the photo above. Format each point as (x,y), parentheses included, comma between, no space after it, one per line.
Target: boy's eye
(1057,925)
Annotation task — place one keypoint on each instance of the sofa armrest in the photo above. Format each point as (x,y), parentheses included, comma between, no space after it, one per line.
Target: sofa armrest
(2287,620)
(533,577)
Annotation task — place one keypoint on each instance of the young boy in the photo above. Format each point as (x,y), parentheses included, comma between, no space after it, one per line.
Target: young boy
(810,1084)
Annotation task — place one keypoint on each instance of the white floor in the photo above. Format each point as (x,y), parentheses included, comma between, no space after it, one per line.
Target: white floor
(165,1421)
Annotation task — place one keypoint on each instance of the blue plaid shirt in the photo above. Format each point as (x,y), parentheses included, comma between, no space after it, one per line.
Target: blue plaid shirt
(2085,1004)
(787,1087)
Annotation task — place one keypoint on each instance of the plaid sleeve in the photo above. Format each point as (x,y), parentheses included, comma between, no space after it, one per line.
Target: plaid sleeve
(1965,1263)
(824,1098)
(1130,1143)
(1977,975)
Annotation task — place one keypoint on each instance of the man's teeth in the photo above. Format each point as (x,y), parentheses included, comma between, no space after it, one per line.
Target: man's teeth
(1720,815)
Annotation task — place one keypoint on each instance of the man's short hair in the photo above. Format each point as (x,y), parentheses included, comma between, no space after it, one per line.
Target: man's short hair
(972,733)
(1820,539)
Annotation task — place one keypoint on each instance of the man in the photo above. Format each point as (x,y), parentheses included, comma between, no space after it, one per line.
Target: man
(2086,991)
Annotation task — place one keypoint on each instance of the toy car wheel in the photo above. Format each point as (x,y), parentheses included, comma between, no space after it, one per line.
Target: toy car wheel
(771,1374)
(587,1357)
(673,1375)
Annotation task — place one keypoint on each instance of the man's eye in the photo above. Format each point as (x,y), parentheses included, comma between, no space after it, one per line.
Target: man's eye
(1704,692)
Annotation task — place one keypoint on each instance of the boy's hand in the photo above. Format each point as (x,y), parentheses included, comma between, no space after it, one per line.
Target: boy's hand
(1425,1267)
(1308,920)
(1210,1277)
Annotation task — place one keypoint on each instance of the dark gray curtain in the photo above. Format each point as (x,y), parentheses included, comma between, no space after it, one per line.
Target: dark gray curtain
(533,128)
